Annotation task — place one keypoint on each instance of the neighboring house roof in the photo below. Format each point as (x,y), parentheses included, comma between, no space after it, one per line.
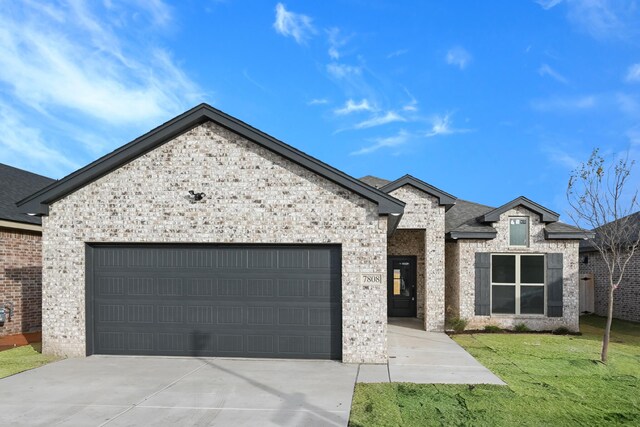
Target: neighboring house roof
(39,202)
(14,185)
(634,230)
(374,181)
(444,199)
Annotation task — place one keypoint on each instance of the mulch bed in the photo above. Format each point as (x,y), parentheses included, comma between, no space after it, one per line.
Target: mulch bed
(18,340)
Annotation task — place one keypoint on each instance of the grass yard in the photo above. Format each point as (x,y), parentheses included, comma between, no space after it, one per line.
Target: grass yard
(552,381)
(22,359)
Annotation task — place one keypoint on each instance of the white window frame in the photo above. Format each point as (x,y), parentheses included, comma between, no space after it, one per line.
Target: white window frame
(517,285)
(526,244)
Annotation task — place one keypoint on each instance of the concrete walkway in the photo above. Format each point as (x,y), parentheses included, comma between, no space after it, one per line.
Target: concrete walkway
(157,391)
(416,356)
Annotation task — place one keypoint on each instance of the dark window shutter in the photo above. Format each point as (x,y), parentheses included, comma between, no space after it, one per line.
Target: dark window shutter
(554,285)
(483,284)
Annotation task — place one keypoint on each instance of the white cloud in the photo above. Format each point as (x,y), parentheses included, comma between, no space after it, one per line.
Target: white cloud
(353,107)
(318,101)
(601,19)
(340,71)
(561,157)
(412,105)
(397,53)
(380,120)
(634,136)
(24,146)
(88,75)
(80,64)
(336,42)
(291,24)
(548,4)
(443,125)
(633,73)
(392,141)
(605,19)
(459,57)
(628,104)
(565,104)
(546,70)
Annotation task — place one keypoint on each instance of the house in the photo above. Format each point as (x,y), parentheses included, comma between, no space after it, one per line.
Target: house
(20,253)
(626,299)
(208,237)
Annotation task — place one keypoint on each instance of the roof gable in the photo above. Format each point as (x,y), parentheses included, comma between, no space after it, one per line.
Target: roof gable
(39,202)
(546,215)
(444,198)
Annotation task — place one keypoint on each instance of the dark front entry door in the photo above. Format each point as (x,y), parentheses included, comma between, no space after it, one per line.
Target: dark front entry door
(401,286)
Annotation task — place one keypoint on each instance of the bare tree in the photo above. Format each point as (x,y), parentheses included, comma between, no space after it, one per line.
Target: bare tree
(601,200)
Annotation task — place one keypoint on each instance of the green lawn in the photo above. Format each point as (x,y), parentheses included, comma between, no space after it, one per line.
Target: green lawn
(552,381)
(22,359)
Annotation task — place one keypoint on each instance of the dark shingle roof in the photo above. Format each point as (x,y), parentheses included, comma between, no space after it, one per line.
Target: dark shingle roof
(463,217)
(633,231)
(16,184)
(374,181)
(466,217)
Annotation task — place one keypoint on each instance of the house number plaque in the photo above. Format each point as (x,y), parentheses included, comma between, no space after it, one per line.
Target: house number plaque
(371,279)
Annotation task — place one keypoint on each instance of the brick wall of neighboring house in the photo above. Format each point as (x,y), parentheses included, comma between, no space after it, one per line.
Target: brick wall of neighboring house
(423,212)
(252,196)
(626,299)
(537,245)
(21,279)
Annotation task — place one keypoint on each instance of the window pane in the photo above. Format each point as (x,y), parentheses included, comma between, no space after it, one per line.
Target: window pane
(531,269)
(532,300)
(503,269)
(518,231)
(503,299)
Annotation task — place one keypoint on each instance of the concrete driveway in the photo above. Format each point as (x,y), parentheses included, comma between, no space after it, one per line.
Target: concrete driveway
(135,391)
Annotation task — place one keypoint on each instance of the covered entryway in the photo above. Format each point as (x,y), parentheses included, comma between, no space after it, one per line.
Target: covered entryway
(214,300)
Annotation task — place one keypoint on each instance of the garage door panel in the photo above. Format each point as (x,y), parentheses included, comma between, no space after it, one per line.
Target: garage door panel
(216,301)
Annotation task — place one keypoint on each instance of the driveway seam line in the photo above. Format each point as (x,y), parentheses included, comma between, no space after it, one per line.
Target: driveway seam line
(152,394)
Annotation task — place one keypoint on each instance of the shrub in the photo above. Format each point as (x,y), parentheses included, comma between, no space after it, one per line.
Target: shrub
(492,329)
(458,324)
(521,327)
(562,330)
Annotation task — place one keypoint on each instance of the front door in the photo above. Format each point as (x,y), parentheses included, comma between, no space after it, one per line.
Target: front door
(401,286)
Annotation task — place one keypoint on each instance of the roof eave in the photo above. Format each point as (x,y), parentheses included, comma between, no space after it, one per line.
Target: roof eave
(568,235)
(486,235)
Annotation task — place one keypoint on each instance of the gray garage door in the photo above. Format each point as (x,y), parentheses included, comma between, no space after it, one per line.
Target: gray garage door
(234,301)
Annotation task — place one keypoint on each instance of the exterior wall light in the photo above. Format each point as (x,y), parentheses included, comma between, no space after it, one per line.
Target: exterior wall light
(196,197)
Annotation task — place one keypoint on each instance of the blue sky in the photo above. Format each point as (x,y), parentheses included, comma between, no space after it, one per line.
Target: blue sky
(485,100)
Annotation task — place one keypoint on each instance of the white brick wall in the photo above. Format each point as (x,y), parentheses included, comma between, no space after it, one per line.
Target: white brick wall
(466,250)
(423,212)
(252,196)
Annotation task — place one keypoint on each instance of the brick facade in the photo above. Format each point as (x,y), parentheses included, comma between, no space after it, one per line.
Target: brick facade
(463,253)
(252,196)
(21,279)
(626,299)
(423,212)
